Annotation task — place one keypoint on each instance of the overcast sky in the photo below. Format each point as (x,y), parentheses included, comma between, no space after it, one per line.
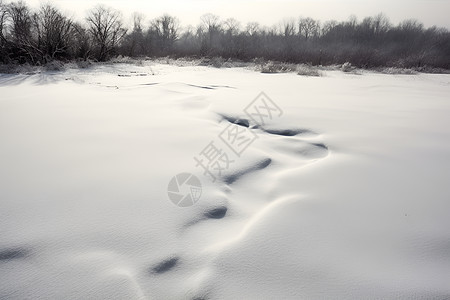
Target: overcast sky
(270,12)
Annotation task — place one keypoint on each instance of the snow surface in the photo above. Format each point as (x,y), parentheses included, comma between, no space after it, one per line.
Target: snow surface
(344,196)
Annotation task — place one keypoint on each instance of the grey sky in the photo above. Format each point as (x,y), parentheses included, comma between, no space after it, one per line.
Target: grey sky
(270,12)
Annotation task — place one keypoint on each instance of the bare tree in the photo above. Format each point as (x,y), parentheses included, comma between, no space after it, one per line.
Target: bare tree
(211,22)
(288,28)
(252,28)
(308,27)
(52,32)
(166,30)
(3,40)
(380,23)
(138,19)
(211,25)
(3,18)
(21,19)
(106,28)
(352,21)
(82,43)
(134,43)
(232,26)
(328,27)
(189,42)
(411,25)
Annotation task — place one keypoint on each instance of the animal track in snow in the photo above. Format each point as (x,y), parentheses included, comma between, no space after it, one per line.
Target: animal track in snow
(289,141)
(13,253)
(301,146)
(165,265)
(235,176)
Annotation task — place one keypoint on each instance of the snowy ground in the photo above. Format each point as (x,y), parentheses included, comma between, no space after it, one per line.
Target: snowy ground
(345,195)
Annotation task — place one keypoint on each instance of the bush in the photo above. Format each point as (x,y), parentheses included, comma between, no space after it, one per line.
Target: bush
(14,68)
(396,71)
(84,64)
(7,68)
(272,67)
(216,62)
(54,65)
(307,70)
(347,67)
(230,63)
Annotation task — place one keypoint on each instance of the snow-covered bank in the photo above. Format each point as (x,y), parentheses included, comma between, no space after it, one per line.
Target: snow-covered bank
(344,195)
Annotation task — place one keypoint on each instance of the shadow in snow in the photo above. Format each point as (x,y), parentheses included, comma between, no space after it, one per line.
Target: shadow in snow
(230,179)
(13,253)
(234,120)
(216,213)
(288,132)
(165,266)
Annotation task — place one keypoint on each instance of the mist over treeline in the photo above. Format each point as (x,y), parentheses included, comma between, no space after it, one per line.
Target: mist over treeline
(38,36)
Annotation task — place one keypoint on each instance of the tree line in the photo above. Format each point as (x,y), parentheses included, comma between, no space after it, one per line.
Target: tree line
(46,34)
